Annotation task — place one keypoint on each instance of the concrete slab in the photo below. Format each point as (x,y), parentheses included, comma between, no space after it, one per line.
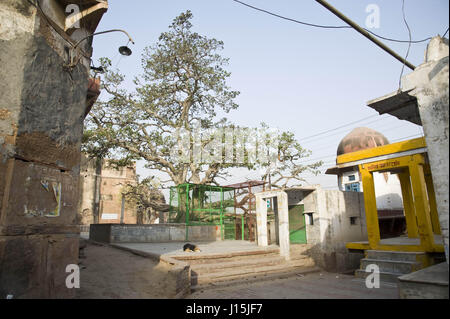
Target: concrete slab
(403,240)
(172,249)
(437,274)
(428,283)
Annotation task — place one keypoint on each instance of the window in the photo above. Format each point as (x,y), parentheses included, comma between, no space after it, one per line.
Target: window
(351,178)
(353,220)
(352,187)
(310,219)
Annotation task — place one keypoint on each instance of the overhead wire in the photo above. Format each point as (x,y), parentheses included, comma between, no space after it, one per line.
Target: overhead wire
(409,47)
(330,26)
(328,156)
(345,125)
(445,33)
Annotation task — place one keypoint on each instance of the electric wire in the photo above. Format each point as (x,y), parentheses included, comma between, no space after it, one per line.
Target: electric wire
(336,128)
(37,5)
(329,26)
(293,20)
(409,47)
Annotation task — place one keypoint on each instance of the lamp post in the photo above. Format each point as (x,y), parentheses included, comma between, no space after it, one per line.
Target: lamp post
(124,50)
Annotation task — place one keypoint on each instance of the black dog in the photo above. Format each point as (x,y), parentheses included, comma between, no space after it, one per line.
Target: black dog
(190,248)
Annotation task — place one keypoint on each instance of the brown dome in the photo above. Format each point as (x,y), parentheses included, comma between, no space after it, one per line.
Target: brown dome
(361,138)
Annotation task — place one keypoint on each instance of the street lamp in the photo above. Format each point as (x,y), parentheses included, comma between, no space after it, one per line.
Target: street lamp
(124,50)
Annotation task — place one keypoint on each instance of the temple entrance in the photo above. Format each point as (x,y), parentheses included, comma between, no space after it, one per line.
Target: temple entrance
(407,159)
(281,212)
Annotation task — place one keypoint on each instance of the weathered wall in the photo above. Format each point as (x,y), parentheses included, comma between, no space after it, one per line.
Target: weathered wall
(154,233)
(332,228)
(110,184)
(429,82)
(41,123)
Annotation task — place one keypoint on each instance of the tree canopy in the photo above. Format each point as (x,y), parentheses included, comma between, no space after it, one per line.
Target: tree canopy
(182,86)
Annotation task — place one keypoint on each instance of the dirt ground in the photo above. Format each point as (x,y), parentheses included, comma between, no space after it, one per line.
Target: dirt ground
(110,273)
(320,285)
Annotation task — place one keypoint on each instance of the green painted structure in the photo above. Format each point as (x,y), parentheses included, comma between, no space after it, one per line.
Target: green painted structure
(297,226)
(201,204)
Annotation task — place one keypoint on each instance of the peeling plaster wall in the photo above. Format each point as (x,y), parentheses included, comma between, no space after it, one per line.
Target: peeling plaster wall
(41,123)
(332,229)
(429,82)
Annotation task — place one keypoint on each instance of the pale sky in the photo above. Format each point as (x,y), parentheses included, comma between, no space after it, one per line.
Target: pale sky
(292,77)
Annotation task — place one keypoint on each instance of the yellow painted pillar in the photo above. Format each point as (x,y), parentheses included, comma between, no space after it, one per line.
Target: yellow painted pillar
(421,203)
(408,205)
(432,199)
(370,205)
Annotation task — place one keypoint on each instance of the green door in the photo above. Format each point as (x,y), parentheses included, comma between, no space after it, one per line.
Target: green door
(229,227)
(297,228)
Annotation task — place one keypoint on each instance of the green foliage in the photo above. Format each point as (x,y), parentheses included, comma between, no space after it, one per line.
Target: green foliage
(183,82)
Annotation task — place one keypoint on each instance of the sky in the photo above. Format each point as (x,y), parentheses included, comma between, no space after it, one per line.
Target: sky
(293,77)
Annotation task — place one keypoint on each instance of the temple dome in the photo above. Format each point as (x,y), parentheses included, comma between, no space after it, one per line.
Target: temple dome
(361,138)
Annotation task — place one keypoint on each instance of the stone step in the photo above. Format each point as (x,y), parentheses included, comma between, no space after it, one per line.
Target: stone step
(384,276)
(394,255)
(392,266)
(200,260)
(203,268)
(242,273)
(195,258)
(256,278)
(300,248)
(236,263)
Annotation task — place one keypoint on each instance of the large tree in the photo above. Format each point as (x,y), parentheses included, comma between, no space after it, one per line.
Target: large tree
(183,82)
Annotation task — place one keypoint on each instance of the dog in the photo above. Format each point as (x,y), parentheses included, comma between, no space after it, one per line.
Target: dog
(191,248)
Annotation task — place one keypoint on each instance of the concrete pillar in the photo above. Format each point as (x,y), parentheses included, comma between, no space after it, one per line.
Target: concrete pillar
(421,203)
(42,109)
(370,204)
(432,201)
(283,220)
(261,220)
(429,84)
(408,205)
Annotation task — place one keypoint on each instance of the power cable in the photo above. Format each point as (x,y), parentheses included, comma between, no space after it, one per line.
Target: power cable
(339,133)
(293,20)
(327,145)
(445,33)
(329,26)
(339,127)
(382,128)
(409,46)
(328,156)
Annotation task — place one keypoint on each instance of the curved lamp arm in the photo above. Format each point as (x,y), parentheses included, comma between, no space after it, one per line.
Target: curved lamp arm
(101,32)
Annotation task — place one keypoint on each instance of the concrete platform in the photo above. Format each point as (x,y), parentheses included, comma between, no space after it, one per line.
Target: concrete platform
(214,248)
(403,240)
(428,283)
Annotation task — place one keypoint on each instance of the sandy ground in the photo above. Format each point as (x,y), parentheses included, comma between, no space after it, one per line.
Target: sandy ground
(321,285)
(110,273)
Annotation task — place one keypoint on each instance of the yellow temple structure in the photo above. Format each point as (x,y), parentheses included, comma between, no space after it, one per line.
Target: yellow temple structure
(409,160)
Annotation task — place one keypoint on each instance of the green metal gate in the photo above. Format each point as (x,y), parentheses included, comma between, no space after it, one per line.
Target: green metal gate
(229,227)
(200,204)
(297,225)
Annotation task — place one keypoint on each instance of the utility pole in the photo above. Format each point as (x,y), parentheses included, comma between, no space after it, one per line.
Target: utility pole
(365,33)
